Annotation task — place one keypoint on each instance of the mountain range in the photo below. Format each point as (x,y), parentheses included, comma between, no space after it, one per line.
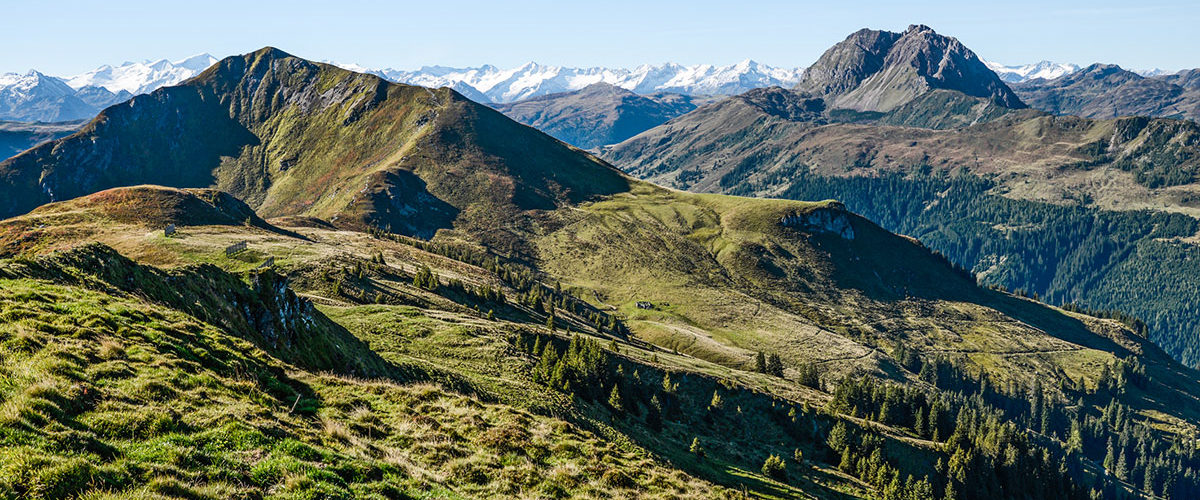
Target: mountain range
(372,289)
(35,97)
(532,80)
(143,77)
(1108,91)
(1044,70)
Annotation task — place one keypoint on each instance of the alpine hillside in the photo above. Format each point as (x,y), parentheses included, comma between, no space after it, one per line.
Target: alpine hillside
(1106,206)
(396,292)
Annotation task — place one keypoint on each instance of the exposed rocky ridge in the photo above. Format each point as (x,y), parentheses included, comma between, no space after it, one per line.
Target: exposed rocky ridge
(880,71)
(784,104)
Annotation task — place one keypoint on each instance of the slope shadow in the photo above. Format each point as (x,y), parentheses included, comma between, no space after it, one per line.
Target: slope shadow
(174,136)
(888,268)
(400,202)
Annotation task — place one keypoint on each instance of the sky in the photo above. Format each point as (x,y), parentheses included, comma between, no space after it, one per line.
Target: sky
(66,37)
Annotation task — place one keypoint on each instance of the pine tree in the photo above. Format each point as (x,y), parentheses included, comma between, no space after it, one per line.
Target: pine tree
(695,449)
(839,437)
(760,363)
(846,464)
(614,400)
(716,402)
(775,365)
(1110,460)
(951,491)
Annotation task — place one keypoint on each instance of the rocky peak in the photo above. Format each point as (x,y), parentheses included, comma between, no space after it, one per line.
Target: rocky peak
(880,71)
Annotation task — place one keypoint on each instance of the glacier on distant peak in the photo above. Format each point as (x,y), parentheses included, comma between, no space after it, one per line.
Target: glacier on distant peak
(531,79)
(1045,70)
(143,77)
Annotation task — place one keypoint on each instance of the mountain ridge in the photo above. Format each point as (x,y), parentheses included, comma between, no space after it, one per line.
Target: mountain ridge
(544,324)
(260,125)
(1109,91)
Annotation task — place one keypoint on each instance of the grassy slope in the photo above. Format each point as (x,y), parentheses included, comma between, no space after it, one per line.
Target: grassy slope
(426,337)
(115,396)
(725,280)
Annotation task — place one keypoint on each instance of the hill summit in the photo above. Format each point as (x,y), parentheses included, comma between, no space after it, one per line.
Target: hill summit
(294,137)
(881,70)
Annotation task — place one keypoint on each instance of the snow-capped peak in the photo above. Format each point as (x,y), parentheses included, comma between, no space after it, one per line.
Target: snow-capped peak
(31,83)
(143,77)
(1044,69)
(532,79)
(1150,73)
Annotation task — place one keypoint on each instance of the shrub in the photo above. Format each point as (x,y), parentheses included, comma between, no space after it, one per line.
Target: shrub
(775,467)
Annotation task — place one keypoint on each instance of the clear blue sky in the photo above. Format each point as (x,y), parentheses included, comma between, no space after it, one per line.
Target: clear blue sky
(70,36)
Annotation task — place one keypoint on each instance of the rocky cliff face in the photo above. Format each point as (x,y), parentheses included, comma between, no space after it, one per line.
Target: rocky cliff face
(831,219)
(880,71)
